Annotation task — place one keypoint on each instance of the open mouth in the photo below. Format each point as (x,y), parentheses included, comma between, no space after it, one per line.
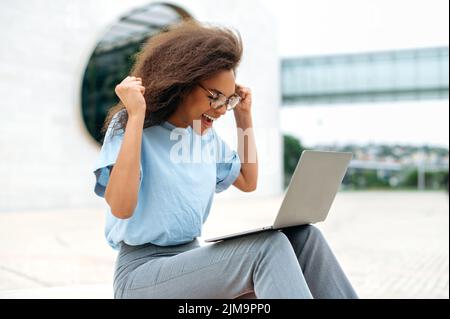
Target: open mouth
(208,120)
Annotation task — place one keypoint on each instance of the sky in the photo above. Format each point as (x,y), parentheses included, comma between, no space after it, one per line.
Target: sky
(346,26)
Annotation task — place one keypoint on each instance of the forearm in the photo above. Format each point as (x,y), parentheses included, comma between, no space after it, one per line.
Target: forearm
(247,149)
(123,187)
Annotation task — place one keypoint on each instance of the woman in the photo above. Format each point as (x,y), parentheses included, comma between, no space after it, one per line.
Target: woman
(182,82)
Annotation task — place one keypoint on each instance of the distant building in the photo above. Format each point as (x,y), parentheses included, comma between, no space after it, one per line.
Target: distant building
(394,75)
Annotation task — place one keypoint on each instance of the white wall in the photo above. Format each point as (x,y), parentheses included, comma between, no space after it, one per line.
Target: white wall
(46,154)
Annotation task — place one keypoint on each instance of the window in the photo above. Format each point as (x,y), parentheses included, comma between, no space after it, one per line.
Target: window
(113,58)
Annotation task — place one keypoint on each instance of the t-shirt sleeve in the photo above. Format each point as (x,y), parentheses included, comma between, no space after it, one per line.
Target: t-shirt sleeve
(228,166)
(108,156)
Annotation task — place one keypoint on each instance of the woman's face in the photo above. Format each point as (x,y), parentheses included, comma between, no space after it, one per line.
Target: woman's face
(195,111)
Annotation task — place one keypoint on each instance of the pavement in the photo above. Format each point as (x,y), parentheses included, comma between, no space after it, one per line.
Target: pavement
(390,244)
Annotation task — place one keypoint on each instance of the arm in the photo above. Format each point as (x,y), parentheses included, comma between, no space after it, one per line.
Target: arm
(248,177)
(122,190)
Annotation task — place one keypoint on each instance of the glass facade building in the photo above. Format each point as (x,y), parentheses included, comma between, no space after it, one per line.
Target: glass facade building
(413,74)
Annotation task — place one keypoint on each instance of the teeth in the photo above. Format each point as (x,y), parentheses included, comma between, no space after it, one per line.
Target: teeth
(209,117)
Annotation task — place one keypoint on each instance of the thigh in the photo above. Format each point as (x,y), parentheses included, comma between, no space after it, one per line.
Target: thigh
(219,270)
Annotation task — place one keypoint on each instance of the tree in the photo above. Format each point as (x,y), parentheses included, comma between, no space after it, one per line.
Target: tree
(292,151)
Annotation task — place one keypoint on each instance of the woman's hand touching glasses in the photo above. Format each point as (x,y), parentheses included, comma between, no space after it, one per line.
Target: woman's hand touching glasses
(245,104)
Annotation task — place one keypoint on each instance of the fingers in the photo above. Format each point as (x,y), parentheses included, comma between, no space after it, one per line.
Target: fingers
(133,81)
(242,88)
(139,86)
(243,91)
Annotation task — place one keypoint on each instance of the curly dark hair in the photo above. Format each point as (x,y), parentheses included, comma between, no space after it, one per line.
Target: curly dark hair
(171,64)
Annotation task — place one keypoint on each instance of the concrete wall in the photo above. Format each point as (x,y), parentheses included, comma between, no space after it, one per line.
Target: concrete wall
(46,154)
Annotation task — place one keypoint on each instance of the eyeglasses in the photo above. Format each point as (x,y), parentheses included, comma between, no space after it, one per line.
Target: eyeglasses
(217,100)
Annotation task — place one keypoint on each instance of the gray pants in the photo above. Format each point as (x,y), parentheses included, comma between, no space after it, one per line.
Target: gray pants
(293,263)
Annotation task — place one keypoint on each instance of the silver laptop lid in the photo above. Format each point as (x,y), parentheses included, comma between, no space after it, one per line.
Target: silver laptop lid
(312,188)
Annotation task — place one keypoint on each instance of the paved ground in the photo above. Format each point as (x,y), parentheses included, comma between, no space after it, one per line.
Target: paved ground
(391,245)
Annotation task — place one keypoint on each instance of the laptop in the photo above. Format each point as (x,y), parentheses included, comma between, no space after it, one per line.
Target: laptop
(310,193)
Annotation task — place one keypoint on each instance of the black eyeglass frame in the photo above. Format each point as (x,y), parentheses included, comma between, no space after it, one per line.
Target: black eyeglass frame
(226,101)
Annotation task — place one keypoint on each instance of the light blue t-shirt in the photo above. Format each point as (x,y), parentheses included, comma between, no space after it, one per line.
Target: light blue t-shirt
(180,171)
